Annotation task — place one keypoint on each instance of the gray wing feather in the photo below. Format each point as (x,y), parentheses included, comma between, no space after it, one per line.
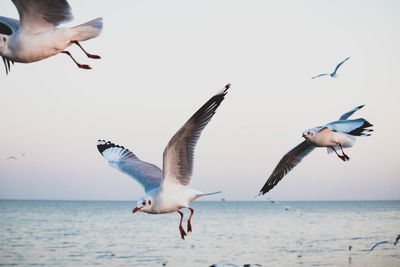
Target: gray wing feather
(179,153)
(147,174)
(346,115)
(286,164)
(345,126)
(37,13)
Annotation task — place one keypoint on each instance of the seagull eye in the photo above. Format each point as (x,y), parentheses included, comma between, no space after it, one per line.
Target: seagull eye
(4,39)
(144,202)
(309,133)
(149,202)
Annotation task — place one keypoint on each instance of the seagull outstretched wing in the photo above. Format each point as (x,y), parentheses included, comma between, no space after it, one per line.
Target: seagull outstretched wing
(179,153)
(286,164)
(38,15)
(147,174)
(346,115)
(353,127)
(340,64)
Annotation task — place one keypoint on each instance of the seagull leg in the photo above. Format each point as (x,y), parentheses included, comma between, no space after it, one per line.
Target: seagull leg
(189,224)
(82,66)
(84,51)
(344,155)
(340,156)
(183,233)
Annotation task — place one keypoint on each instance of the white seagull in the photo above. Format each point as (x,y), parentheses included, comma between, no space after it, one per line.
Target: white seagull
(333,74)
(334,136)
(166,189)
(36,36)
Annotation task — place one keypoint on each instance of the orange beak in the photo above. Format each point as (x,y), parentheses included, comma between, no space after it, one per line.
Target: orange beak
(136,209)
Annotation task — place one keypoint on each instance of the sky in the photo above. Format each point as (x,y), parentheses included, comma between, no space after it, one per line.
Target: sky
(161,60)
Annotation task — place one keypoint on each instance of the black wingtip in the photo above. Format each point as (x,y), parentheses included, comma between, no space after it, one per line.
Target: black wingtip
(259,194)
(103,145)
(359,107)
(224,90)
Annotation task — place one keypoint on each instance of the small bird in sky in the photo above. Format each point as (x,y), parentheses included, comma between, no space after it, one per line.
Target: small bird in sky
(333,74)
(36,36)
(167,189)
(12,158)
(334,136)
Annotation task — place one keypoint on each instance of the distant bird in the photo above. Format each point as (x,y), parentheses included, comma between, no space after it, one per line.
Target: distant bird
(334,135)
(396,240)
(350,247)
(35,36)
(378,244)
(166,189)
(333,74)
(12,158)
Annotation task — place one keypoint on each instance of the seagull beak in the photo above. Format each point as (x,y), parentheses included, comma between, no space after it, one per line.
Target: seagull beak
(136,209)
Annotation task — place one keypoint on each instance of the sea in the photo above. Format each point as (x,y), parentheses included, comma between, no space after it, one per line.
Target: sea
(225,233)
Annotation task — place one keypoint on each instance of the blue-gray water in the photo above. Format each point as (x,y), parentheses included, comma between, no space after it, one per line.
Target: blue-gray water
(106,233)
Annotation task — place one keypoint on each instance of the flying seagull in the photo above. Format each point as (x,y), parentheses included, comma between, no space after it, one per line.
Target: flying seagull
(12,158)
(333,74)
(166,189)
(36,36)
(334,136)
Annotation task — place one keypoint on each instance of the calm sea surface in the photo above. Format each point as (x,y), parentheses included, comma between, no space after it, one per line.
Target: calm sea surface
(106,233)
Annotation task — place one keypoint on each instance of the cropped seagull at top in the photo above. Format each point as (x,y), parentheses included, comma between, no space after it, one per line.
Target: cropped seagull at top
(167,189)
(36,36)
(334,136)
(333,74)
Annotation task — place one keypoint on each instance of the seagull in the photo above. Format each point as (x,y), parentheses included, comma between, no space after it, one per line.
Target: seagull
(334,136)
(12,158)
(333,74)
(166,189)
(36,36)
(378,244)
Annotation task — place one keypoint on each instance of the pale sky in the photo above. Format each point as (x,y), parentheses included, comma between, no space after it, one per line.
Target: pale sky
(161,60)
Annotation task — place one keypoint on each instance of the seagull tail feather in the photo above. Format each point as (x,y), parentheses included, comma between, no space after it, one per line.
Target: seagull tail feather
(88,30)
(207,194)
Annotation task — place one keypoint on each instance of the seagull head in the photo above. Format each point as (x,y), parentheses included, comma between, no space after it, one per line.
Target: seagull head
(308,134)
(143,204)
